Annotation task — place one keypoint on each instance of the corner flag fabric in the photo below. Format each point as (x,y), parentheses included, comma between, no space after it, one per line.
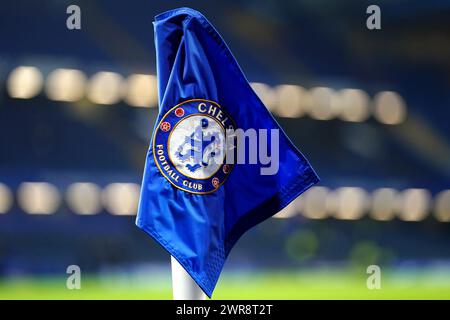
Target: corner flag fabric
(194,202)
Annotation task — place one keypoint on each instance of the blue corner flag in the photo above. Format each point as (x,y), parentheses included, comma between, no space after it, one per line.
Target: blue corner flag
(197,198)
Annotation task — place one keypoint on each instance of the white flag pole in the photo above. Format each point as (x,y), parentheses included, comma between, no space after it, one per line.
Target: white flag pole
(183,286)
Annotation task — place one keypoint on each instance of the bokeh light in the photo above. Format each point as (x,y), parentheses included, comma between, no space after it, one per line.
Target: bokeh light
(38,197)
(353,105)
(290,98)
(383,204)
(105,88)
(121,198)
(292,210)
(25,82)
(6,198)
(322,99)
(141,90)
(389,107)
(66,85)
(267,95)
(314,203)
(347,203)
(413,204)
(84,198)
(442,206)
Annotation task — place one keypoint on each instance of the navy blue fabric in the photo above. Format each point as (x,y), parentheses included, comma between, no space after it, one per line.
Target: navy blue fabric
(199,230)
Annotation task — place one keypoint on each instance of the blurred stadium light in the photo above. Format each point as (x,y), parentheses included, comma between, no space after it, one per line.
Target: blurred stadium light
(84,198)
(389,107)
(413,204)
(121,198)
(267,95)
(25,82)
(442,206)
(343,203)
(290,100)
(6,198)
(353,105)
(290,211)
(348,203)
(383,204)
(141,90)
(105,88)
(66,85)
(38,197)
(323,107)
(314,203)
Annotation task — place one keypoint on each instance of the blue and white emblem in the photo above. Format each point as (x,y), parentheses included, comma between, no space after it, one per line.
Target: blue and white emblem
(190,146)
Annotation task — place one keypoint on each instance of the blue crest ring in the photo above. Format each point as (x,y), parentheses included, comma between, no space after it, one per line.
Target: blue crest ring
(188,170)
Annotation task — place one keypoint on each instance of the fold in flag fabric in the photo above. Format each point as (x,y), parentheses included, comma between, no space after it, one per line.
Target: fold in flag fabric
(194,201)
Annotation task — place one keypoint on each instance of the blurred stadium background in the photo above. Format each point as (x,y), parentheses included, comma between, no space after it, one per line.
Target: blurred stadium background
(370,109)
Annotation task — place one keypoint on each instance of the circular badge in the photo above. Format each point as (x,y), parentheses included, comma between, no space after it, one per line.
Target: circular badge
(190,146)
(165,126)
(179,112)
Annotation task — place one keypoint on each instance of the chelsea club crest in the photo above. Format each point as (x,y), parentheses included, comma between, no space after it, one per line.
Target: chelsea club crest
(190,145)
